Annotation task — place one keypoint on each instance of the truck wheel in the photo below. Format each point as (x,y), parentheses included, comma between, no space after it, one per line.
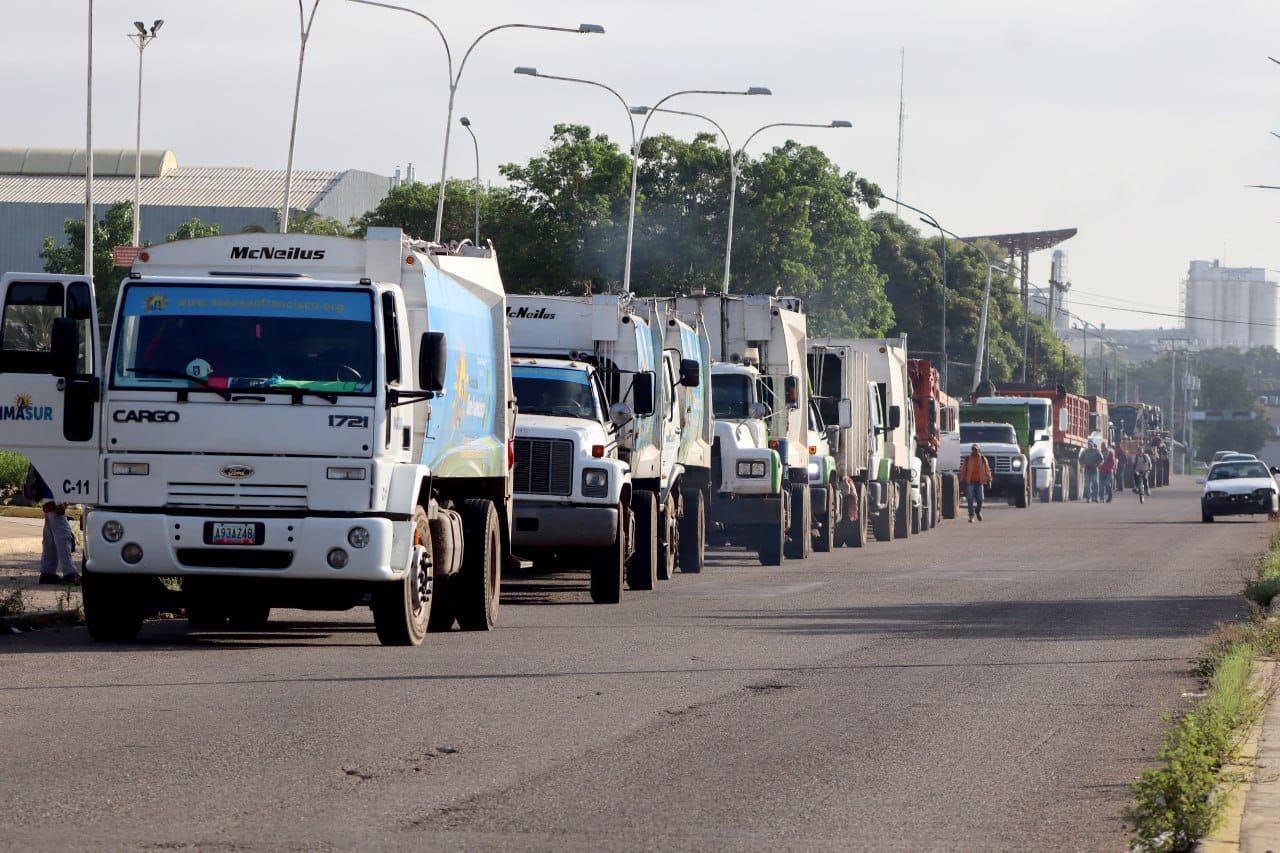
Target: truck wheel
(1074,467)
(798,533)
(825,538)
(773,536)
(1024,494)
(950,495)
(902,517)
(1044,496)
(249,615)
(1060,486)
(668,539)
(609,565)
(858,531)
(882,522)
(401,608)
(916,512)
(113,606)
(479,582)
(642,571)
(693,534)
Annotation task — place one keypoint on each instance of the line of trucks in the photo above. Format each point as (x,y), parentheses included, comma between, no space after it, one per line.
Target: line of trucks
(285,420)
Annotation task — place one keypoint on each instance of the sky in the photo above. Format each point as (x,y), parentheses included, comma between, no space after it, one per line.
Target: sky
(1139,122)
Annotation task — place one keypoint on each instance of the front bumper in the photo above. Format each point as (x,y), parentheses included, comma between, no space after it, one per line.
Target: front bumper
(1006,484)
(292,548)
(543,526)
(1247,504)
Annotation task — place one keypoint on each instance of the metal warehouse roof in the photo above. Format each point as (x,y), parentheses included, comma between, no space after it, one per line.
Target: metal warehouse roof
(197,185)
(107,162)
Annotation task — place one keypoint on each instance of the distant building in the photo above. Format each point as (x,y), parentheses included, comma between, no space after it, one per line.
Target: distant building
(1230,306)
(40,188)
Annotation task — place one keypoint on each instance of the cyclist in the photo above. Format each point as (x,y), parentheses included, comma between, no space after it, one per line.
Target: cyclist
(1141,473)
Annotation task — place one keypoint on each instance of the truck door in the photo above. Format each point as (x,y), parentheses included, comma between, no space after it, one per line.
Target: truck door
(50,361)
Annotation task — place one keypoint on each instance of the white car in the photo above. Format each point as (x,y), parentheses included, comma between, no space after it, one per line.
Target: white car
(1243,487)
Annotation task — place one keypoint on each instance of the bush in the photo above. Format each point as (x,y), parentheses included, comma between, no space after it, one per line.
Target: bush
(13,471)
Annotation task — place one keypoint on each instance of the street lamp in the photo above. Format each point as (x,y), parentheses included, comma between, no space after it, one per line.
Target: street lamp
(648,112)
(88,156)
(635,152)
(466,122)
(304,29)
(455,78)
(932,221)
(143,37)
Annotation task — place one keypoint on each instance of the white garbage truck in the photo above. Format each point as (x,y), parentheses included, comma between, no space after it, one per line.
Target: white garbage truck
(760,461)
(278,420)
(640,380)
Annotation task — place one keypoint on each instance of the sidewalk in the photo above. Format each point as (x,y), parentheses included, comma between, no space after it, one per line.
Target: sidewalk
(1260,823)
(20,545)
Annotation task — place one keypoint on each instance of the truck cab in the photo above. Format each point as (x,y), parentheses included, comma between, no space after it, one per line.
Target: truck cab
(1045,472)
(998,442)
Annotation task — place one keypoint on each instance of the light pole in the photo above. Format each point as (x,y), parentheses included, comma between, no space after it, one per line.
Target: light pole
(466,122)
(88,157)
(932,221)
(635,152)
(734,171)
(304,28)
(455,78)
(143,37)
(648,112)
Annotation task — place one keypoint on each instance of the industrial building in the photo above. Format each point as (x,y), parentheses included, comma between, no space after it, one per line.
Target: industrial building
(1230,306)
(40,188)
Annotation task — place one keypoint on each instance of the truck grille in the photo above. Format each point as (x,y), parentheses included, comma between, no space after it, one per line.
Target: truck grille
(235,495)
(544,466)
(1000,464)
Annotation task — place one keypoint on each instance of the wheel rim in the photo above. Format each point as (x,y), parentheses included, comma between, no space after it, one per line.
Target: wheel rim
(420,582)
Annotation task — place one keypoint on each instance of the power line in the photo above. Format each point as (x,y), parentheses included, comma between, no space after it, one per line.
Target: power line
(1177,316)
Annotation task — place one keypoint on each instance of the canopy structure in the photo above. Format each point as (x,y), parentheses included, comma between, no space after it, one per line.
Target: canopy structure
(1021,245)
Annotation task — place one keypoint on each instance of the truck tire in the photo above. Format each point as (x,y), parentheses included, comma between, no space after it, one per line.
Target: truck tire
(1024,496)
(1074,467)
(642,571)
(882,522)
(401,609)
(773,536)
(902,517)
(668,538)
(1045,495)
(478,586)
(857,537)
(799,536)
(950,495)
(693,534)
(609,565)
(113,606)
(1060,486)
(249,615)
(824,538)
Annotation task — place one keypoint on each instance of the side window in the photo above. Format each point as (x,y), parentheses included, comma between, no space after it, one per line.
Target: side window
(391,337)
(80,309)
(671,389)
(602,399)
(26,329)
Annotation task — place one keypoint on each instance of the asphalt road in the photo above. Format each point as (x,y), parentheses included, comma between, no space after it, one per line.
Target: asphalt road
(991,685)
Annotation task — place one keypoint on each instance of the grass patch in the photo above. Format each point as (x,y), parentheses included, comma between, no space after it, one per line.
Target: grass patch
(1266,584)
(13,470)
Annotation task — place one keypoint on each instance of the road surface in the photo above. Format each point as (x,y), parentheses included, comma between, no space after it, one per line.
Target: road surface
(990,685)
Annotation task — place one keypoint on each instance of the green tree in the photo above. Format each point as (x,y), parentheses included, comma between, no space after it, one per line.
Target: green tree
(114,229)
(193,229)
(1227,388)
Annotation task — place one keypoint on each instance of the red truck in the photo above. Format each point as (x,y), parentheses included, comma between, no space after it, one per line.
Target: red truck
(936,413)
(1071,429)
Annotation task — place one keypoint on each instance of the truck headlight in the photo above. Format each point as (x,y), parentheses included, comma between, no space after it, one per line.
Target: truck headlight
(1016,464)
(813,471)
(595,482)
(752,469)
(113,531)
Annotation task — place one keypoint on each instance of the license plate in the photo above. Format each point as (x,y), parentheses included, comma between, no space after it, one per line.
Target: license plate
(233,532)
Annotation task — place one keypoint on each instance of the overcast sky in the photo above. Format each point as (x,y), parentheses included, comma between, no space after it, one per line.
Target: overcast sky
(1139,122)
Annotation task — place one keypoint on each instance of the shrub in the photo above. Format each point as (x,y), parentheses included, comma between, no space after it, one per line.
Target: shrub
(13,470)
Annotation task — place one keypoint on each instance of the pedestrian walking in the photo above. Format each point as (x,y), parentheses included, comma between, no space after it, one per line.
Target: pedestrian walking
(59,542)
(1090,459)
(1122,468)
(1106,472)
(975,473)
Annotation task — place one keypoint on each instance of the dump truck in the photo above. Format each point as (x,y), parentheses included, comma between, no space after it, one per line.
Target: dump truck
(1070,435)
(936,414)
(280,420)
(760,494)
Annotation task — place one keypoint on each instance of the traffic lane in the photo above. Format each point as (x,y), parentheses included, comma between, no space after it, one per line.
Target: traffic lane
(300,739)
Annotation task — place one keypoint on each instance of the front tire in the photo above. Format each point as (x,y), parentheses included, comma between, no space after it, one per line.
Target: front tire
(609,565)
(642,571)
(113,606)
(773,536)
(883,523)
(402,608)
(825,539)
(902,518)
(693,534)
(1024,494)
(479,582)
(668,538)
(1206,516)
(799,533)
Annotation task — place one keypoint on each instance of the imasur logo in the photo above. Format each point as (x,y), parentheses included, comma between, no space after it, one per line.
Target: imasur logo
(23,410)
(528,314)
(267,253)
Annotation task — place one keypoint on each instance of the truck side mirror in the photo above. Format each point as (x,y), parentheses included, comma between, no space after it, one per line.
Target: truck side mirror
(791,387)
(620,415)
(1064,422)
(895,417)
(431,362)
(844,413)
(642,394)
(757,411)
(64,347)
(690,373)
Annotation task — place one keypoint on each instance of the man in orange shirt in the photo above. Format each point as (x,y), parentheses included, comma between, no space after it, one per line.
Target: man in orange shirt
(974,474)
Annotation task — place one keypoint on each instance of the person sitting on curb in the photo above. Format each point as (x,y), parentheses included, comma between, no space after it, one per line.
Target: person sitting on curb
(59,541)
(974,474)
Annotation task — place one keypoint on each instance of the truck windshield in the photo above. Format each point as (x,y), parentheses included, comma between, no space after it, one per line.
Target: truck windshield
(280,340)
(556,391)
(987,434)
(731,396)
(1039,416)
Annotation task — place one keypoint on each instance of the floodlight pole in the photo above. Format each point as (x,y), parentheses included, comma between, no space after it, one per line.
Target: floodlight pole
(88,158)
(143,38)
(466,122)
(304,34)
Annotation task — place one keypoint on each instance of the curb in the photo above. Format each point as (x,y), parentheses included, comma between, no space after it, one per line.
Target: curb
(1228,838)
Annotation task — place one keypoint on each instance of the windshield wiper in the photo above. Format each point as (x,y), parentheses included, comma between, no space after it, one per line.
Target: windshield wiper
(297,393)
(177,374)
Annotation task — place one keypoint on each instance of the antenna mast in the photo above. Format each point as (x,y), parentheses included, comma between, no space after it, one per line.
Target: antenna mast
(902,118)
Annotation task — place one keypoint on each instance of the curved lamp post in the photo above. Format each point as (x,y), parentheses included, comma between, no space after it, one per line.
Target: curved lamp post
(454,78)
(466,122)
(533,72)
(304,28)
(648,112)
(932,221)
(143,37)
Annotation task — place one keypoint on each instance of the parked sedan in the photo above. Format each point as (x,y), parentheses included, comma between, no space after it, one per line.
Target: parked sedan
(1244,487)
